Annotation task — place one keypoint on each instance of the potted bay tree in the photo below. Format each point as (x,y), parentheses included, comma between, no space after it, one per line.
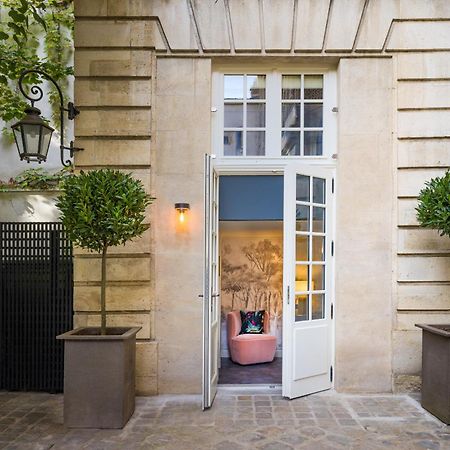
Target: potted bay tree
(101,209)
(433,211)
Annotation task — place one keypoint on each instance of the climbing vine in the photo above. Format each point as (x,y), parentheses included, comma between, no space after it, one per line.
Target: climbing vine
(33,34)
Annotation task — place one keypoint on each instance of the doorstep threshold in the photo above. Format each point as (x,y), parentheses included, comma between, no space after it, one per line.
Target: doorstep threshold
(241,389)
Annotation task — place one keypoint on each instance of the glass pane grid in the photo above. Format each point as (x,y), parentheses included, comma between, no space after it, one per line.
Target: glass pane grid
(246,91)
(307,92)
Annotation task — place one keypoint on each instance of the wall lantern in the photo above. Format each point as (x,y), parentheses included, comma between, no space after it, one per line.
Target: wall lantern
(32,134)
(182,208)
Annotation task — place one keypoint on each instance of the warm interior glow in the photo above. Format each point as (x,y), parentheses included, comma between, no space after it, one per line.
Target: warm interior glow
(181,217)
(302,286)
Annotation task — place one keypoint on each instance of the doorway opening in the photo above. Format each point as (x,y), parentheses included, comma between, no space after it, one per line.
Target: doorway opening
(251,279)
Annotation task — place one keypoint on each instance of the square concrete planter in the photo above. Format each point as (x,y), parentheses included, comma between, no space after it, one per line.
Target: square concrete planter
(436,370)
(99,377)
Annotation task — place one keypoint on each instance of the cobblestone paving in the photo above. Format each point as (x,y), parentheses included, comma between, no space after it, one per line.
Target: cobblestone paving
(267,422)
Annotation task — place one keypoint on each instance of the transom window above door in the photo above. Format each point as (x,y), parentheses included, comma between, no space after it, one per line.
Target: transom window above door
(274,114)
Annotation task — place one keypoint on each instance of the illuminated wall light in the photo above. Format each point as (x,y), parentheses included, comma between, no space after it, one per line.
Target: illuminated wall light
(182,208)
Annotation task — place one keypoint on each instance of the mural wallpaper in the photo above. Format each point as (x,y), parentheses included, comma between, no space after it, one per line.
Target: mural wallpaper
(252,277)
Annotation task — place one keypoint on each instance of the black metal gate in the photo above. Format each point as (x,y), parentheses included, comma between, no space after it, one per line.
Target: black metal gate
(36,304)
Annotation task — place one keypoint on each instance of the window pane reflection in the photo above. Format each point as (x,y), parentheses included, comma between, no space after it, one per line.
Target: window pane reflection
(301,248)
(291,87)
(318,190)
(256,143)
(318,306)
(234,116)
(318,248)
(290,115)
(301,308)
(233,87)
(256,87)
(302,190)
(302,216)
(256,115)
(318,219)
(318,277)
(290,143)
(313,145)
(232,143)
(301,277)
(313,87)
(313,115)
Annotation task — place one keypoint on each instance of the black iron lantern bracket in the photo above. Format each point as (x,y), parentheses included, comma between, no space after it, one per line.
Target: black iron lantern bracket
(71,110)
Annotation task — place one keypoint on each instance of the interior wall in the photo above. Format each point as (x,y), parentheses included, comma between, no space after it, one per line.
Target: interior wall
(252,273)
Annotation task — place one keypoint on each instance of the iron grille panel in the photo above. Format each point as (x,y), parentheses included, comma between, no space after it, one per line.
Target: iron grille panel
(36,304)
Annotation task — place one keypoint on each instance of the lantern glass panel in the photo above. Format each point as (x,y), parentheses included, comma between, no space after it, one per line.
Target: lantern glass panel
(18,138)
(32,138)
(45,143)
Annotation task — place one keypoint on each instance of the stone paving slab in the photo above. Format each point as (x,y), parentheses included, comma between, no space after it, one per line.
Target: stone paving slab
(264,422)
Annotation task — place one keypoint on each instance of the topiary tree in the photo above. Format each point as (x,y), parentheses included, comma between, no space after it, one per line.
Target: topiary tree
(433,210)
(100,209)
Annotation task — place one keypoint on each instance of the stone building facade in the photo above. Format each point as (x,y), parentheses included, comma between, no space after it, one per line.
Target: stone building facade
(143,83)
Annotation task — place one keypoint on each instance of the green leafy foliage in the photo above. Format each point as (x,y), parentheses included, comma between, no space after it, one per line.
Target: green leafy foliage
(433,210)
(36,179)
(24,25)
(103,208)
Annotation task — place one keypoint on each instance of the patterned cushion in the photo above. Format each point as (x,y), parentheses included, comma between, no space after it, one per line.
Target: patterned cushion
(252,322)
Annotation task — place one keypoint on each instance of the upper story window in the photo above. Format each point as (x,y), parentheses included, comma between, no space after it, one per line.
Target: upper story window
(274,114)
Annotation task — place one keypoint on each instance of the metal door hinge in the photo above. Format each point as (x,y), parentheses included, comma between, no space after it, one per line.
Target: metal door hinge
(331,374)
(332,185)
(332,311)
(288,294)
(332,248)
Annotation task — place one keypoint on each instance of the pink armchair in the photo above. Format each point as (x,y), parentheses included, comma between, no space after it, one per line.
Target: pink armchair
(249,348)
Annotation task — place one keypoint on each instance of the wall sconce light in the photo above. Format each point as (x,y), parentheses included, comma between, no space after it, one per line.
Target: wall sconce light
(32,134)
(182,208)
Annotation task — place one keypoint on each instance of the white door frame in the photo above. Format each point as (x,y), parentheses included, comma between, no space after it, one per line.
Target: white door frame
(277,166)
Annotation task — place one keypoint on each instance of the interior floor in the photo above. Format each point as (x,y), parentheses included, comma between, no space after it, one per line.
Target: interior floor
(265,373)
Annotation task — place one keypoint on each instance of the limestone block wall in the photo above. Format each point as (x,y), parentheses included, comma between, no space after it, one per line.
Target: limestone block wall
(143,73)
(114,70)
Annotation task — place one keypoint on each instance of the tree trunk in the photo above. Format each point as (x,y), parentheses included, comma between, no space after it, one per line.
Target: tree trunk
(103,292)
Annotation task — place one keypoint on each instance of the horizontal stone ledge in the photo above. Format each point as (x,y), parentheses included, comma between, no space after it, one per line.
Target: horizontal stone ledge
(430,282)
(113,77)
(112,166)
(121,283)
(442,166)
(423,138)
(114,107)
(109,62)
(422,80)
(420,310)
(428,108)
(122,137)
(424,253)
(117,47)
(112,255)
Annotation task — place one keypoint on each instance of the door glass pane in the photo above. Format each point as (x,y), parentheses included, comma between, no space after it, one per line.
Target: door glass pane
(301,277)
(318,219)
(290,115)
(313,87)
(291,87)
(302,188)
(313,115)
(233,115)
(301,248)
(256,86)
(301,308)
(318,248)
(233,87)
(256,143)
(318,277)
(290,143)
(302,217)
(313,145)
(318,306)
(232,143)
(318,190)
(256,115)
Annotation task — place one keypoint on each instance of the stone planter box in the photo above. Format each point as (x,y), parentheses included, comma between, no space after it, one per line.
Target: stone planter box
(99,377)
(436,370)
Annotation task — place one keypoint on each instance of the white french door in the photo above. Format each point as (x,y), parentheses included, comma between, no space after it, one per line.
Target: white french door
(308,280)
(211,288)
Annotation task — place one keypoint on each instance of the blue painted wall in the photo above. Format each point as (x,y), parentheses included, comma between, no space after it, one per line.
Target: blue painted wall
(248,197)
